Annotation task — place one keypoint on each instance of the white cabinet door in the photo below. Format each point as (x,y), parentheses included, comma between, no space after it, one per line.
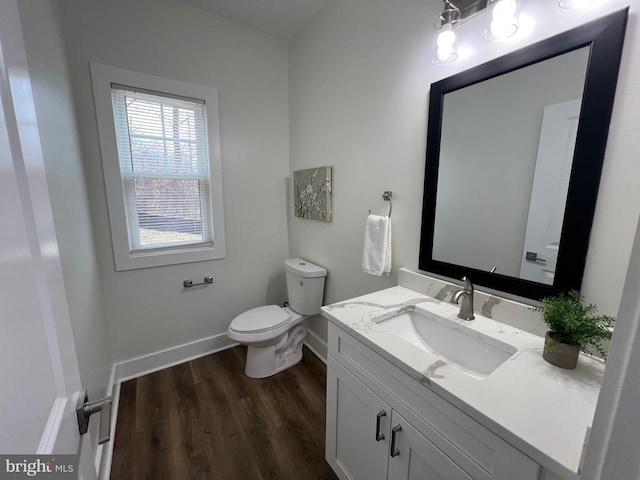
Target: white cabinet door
(357,427)
(414,457)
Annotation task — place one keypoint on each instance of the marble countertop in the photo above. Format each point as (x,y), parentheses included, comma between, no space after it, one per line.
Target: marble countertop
(542,410)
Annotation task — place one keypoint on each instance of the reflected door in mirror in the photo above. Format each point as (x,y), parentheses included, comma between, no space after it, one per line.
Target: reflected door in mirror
(549,192)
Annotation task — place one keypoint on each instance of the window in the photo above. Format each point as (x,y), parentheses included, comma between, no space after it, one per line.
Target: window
(161,160)
(164,164)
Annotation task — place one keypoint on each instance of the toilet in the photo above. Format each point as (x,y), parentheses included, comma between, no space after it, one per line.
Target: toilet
(274,334)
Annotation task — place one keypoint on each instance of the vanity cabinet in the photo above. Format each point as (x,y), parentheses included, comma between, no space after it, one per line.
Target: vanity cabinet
(370,440)
(357,445)
(384,424)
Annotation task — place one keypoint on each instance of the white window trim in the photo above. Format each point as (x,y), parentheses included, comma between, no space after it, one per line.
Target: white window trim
(102,77)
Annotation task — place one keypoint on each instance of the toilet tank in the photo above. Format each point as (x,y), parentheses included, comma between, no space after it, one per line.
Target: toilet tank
(305,285)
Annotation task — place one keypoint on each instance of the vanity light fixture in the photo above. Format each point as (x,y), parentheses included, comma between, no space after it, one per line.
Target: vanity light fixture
(445,34)
(501,22)
(501,19)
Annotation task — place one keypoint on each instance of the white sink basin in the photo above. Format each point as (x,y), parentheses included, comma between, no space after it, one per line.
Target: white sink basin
(469,351)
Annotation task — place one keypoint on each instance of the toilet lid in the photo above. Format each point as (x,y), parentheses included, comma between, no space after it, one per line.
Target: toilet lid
(260,319)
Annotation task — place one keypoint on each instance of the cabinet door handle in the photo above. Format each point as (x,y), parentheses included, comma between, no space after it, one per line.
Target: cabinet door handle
(394,432)
(379,434)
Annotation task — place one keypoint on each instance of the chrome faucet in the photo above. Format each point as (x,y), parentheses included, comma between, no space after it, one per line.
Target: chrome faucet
(466,294)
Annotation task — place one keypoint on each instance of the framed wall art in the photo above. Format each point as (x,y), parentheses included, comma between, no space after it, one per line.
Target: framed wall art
(312,194)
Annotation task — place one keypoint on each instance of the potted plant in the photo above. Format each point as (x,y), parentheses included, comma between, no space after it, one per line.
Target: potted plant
(574,327)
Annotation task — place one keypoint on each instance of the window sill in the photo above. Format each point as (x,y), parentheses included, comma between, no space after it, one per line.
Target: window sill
(164,257)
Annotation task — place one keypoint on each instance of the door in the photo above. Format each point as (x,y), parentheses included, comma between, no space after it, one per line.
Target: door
(413,457)
(549,191)
(39,379)
(357,427)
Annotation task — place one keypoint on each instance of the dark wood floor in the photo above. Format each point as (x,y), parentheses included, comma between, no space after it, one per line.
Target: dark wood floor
(206,420)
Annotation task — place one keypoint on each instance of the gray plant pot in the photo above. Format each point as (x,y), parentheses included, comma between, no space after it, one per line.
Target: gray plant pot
(560,354)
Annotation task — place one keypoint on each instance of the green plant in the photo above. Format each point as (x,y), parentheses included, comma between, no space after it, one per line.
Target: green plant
(575,323)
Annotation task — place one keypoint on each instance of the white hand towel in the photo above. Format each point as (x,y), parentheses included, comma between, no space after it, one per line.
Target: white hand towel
(376,257)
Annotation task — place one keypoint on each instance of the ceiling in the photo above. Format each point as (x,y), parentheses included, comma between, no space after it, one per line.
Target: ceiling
(280,18)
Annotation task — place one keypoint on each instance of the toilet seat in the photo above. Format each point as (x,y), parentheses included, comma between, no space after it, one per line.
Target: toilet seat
(260,319)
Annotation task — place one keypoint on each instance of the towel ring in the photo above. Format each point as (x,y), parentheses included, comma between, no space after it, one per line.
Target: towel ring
(386,196)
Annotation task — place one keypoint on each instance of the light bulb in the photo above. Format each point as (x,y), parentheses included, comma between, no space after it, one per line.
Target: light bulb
(444,52)
(445,35)
(502,20)
(501,30)
(504,10)
(446,38)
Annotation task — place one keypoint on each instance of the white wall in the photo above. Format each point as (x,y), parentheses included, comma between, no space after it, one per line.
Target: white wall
(488,150)
(67,190)
(148,310)
(359,78)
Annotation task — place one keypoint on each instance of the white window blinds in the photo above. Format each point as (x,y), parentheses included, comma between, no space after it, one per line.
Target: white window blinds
(164,165)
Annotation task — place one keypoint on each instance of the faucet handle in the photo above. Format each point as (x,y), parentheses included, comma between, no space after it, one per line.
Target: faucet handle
(467,284)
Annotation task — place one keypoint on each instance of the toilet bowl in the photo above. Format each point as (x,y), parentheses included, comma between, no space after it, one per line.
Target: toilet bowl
(274,334)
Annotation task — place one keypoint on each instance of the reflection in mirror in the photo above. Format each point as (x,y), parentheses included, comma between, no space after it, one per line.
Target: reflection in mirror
(506,152)
(514,155)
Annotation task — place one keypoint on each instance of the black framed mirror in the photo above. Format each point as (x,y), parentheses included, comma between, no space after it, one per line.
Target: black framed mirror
(515,149)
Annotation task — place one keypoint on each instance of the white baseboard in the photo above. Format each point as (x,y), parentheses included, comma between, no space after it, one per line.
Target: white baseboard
(169,357)
(143,365)
(317,345)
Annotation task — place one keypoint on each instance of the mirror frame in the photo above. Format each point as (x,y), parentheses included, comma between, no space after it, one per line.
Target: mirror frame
(605,36)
